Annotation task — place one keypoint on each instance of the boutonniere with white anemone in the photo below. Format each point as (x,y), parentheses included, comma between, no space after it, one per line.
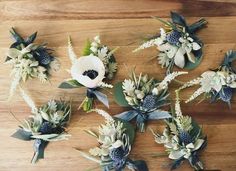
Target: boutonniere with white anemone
(183,139)
(46,124)
(216,84)
(90,70)
(145,96)
(29,60)
(115,139)
(177,43)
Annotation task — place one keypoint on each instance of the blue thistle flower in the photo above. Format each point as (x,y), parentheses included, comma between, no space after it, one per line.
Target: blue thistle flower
(226,94)
(185,137)
(149,102)
(118,157)
(46,128)
(43,56)
(173,37)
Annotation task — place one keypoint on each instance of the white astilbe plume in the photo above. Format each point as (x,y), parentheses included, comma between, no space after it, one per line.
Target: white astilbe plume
(178,111)
(191,83)
(103,113)
(164,84)
(197,93)
(71,52)
(15,82)
(28,100)
(145,45)
(105,85)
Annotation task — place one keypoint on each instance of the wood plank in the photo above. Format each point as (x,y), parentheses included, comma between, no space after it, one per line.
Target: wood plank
(51,10)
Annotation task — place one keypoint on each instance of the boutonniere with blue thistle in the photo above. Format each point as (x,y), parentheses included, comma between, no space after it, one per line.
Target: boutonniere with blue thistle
(183,139)
(115,138)
(97,64)
(46,124)
(29,60)
(177,43)
(216,84)
(145,96)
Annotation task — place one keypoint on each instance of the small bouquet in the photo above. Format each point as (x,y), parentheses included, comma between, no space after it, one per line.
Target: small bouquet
(177,43)
(183,139)
(97,64)
(145,96)
(29,60)
(115,138)
(46,124)
(218,83)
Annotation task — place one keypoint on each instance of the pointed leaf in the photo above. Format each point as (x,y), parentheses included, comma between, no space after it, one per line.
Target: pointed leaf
(31,38)
(159,114)
(119,95)
(69,84)
(16,36)
(22,135)
(178,19)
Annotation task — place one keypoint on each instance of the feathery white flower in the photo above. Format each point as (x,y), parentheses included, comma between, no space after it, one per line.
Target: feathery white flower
(105,85)
(103,113)
(197,93)
(71,52)
(164,84)
(29,101)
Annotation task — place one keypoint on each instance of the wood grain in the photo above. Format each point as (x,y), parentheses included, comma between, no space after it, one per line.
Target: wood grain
(123,24)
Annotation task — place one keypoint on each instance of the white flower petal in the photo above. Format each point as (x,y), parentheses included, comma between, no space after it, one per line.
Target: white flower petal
(196,46)
(86,63)
(179,58)
(176,154)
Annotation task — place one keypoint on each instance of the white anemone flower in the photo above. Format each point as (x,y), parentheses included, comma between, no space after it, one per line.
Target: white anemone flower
(88,71)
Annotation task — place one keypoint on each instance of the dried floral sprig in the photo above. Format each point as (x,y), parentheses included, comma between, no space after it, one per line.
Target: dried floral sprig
(183,139)
(46,124)
(177,43)
(145,96)
(216,84)
(115,138)
(90,70)
(29,60)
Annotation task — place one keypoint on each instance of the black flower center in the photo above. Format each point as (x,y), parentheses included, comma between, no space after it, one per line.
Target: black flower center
(92,74)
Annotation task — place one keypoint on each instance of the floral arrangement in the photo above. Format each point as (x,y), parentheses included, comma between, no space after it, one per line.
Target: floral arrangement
(29,60)
(183,139)
(46,124)
(216,84)
(90,70)
(115,138)
(177,43)
(145,96)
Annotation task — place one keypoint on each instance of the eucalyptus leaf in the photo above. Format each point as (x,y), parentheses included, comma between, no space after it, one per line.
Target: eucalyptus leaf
(119,95)
(22,135)
(130,131)
(31,38)
(16,36)
(70,84)
(178,19)
(189,65)
(141,165)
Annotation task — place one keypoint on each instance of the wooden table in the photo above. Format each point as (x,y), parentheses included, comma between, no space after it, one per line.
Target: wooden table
(123,24)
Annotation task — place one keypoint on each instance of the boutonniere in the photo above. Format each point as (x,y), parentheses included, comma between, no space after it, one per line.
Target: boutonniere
(183,139)
(29,60)
(115,138)
(145,96)
(90,70)
(217,84)
(177,43)
(46,124)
